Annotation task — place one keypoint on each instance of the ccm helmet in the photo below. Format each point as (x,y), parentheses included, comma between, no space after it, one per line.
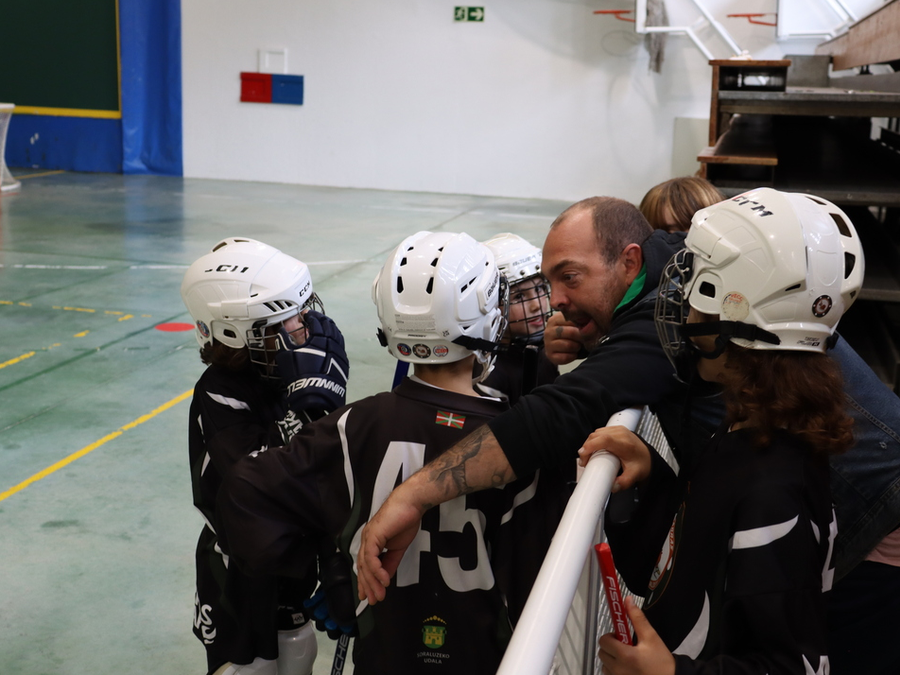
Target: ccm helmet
(779,269)
(520,262)
(440,297)
(241,287)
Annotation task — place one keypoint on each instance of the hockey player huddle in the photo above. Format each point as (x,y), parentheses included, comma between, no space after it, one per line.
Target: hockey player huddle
(286,475)
(312,503)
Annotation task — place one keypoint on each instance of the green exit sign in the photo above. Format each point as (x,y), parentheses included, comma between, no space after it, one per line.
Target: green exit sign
(468,13)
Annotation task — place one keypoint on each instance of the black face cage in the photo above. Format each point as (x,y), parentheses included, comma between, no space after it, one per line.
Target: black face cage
(671,313)
(263,346)
(540,293)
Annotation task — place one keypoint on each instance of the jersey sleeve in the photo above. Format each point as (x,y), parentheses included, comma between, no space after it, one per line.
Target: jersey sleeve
(628,368)
(230,428)
(272,506)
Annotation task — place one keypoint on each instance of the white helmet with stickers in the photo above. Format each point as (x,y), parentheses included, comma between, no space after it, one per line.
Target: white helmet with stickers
(779,269)
(517,258)
(241,287)
(440,298)
(529,293)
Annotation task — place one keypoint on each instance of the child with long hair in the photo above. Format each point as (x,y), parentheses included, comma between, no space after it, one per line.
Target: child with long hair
(733,554)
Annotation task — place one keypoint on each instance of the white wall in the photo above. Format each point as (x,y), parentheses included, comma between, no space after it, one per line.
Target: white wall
(543,99)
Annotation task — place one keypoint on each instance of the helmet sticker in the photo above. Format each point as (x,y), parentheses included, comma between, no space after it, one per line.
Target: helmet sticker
(441,351)
(404,349)
(422,351)
(735,307)
(203,328)
(822,306)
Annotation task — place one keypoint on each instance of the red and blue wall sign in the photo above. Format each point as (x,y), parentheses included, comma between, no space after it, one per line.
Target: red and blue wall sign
(271,88)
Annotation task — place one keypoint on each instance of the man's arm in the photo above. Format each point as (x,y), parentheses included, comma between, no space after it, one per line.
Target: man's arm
(475,463)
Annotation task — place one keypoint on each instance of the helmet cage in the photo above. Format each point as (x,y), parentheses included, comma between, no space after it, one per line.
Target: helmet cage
(674,331)
(537,291)
(262,344)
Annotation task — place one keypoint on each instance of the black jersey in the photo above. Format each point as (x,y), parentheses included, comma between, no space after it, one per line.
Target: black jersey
(738,585)
(542,499)
(236,617)
(517,371)
(444,612)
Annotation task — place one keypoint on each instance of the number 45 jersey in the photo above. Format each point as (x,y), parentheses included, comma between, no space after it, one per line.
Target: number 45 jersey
(444,611)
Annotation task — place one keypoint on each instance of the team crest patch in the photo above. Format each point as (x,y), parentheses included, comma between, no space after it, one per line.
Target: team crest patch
(422,351)
(449,419)
(203,328)
(404,349)
(441,351)
(434,632)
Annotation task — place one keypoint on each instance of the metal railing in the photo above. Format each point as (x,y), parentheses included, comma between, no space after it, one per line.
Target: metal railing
(565,613)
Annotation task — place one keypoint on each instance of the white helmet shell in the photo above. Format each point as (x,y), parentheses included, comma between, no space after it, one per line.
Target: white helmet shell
(434,290)
(790,264)
(241,285)
(517,258)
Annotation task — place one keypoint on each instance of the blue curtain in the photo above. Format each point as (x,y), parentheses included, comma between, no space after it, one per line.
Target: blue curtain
(150,34)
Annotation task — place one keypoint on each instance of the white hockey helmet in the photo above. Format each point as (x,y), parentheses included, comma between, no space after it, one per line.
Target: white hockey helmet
(517,258)
(779,269)
(440,298)
(241,287)
(520,261)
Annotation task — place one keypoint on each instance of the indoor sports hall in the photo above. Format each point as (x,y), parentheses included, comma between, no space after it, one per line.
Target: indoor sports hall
(134,136)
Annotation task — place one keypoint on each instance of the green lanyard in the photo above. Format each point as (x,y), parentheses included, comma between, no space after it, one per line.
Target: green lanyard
(636,287)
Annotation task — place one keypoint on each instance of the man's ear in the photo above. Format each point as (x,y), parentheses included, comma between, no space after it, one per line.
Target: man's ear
(632,259)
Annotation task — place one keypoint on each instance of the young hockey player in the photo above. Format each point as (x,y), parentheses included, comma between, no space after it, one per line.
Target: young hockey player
(439,303)
(520,365)
(274,364)
(746,529)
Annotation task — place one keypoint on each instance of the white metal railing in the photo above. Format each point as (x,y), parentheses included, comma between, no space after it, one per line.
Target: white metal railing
(537,634)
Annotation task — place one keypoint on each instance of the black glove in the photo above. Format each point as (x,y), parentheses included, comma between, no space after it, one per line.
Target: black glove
(314,374)
(333,607)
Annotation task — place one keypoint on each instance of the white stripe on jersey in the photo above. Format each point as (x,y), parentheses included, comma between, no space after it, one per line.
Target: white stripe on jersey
(522,497)
(345,448)
(230,402)
(761,536)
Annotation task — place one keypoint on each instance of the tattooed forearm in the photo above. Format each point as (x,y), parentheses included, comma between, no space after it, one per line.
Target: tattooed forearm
(475,463)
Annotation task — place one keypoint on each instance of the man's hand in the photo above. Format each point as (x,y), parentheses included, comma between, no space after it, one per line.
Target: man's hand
(385,539)
(562,340)
(627,446)
(649,656)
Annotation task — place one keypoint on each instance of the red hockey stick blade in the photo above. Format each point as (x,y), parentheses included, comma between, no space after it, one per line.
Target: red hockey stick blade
(613,593)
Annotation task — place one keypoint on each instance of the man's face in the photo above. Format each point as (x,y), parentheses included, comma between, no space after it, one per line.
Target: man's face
(582,286)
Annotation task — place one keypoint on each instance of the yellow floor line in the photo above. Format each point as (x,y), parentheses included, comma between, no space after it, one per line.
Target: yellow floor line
(37,175)
(93,446)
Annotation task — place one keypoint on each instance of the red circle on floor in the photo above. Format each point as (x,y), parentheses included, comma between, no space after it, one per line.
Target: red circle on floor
(174,327)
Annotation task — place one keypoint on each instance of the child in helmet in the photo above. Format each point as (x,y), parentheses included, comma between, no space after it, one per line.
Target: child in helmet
(746,529)
(274,363)
(439,302)
(520,365)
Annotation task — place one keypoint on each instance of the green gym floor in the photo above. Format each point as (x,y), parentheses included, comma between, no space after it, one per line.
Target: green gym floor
(96,520)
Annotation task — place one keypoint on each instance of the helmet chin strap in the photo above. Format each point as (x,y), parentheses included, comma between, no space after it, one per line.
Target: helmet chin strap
(724,331)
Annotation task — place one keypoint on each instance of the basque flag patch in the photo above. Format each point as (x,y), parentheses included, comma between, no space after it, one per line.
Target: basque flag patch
(449,419)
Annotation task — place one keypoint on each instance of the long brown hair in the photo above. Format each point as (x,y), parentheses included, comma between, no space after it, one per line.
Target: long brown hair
(801,392)
(225,356)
